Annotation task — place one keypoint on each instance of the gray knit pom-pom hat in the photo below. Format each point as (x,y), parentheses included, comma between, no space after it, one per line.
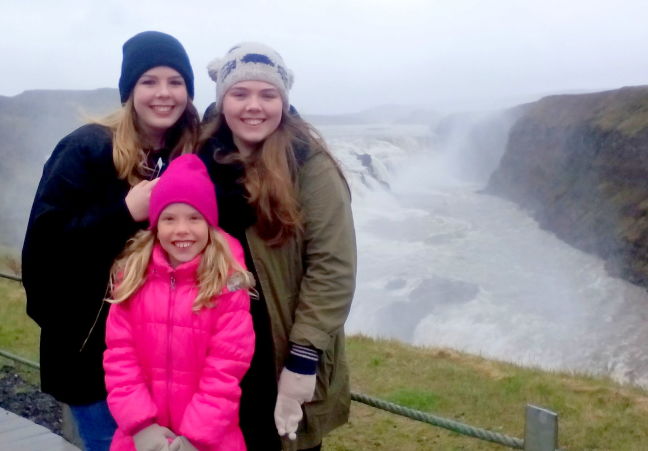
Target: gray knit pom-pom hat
(250,61)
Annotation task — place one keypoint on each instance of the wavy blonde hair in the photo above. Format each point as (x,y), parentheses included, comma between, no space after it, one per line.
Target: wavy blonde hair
(217,268)
(271,173)
(130,144)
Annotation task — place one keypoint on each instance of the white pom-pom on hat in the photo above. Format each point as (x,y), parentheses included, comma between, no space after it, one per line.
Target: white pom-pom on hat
(213,67)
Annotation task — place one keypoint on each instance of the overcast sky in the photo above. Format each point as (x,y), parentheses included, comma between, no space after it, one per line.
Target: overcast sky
(347,55)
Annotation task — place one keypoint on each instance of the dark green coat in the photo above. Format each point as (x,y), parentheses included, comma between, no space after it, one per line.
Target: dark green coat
(307,284)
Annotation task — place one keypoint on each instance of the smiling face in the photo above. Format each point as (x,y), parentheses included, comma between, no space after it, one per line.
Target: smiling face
(252,110)
(159,98)
(182,232)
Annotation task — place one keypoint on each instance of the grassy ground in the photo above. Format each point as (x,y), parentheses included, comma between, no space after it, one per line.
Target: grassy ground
(594,413)
(9,260)
(18,333)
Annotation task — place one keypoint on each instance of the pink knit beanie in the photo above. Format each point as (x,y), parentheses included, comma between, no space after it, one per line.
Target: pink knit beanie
(185,181)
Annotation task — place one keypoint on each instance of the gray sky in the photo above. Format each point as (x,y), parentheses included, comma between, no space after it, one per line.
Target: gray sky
(347,55)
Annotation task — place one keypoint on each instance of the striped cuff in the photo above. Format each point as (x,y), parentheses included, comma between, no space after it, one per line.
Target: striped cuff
(302,359)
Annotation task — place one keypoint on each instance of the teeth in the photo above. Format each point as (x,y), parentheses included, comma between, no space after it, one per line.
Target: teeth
(182,244)
(252,121)
(162,108)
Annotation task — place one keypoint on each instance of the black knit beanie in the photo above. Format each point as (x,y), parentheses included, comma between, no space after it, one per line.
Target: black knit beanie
(151,49)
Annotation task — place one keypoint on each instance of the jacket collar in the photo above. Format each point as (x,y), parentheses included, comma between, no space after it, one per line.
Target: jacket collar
(160,266)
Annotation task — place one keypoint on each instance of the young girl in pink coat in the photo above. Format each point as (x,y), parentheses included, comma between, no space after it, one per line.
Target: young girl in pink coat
(179,333)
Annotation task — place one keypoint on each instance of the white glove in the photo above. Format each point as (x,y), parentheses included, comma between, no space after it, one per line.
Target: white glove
(294,390)
(153,438)
(181,443)
(287,415)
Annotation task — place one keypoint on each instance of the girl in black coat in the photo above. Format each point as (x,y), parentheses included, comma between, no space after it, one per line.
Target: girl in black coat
(92,197)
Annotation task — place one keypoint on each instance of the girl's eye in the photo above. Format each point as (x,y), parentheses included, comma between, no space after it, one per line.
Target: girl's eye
(269,95)
(147,81)
(177,82)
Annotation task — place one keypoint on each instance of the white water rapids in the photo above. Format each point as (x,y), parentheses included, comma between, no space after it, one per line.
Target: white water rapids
(442,265)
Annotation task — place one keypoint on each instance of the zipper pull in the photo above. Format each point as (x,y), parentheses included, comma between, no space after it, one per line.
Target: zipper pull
(158,168)
(172,282)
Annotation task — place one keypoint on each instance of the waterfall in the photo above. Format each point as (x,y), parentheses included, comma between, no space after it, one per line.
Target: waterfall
(443,264)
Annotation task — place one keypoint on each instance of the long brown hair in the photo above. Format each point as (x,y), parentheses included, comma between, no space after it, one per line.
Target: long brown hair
(217,268)
(129,143)
(271,172)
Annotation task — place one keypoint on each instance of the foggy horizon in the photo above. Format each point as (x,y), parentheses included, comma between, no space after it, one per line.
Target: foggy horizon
(350,56)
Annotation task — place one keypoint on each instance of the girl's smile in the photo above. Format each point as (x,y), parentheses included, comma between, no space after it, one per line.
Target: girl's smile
(159,98)
(253,111)
(182,232)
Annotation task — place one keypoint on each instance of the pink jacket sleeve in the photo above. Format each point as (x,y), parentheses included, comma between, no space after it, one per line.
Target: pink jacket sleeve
(129,399)
(215,406)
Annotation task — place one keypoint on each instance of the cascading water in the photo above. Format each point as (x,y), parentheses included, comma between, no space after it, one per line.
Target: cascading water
(442,264)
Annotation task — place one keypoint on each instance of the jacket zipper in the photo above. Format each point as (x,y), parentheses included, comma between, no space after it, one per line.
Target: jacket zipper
(94,324)
(277,365)
(169,334)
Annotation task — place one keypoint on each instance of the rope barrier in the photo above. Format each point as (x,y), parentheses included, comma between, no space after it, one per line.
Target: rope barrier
(445,423)
(17,358)
(434,420)
(9,276)
(455,426)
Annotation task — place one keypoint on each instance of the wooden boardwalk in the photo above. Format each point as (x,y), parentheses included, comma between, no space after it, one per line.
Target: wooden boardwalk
(20,434)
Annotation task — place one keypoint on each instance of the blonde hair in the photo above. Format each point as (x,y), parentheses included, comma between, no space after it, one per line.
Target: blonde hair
(271,173)
(130,144)
(217,270)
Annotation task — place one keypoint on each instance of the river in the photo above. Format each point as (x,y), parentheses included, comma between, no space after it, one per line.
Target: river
(442,264)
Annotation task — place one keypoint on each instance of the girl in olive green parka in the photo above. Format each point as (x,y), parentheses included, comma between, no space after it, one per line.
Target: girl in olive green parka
(284,197)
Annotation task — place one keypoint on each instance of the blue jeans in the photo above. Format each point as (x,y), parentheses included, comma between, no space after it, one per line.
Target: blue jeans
(95,424)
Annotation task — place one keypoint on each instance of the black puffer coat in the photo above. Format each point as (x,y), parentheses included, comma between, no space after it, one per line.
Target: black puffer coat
(79,223)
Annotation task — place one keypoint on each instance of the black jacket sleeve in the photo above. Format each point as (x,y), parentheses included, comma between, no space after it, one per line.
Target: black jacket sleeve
(78,224)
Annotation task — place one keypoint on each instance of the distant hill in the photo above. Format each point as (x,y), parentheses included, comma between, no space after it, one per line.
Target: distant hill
(31,124)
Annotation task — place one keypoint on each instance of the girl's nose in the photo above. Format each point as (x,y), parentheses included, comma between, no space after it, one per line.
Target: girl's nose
(164,90)
(253,104)
(182,227)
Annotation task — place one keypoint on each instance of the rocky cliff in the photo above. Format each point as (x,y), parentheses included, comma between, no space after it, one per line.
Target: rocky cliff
(579,163)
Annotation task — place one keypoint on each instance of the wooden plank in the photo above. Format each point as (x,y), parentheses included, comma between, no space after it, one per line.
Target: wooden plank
(17,433)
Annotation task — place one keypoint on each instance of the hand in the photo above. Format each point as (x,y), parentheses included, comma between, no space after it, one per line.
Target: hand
(137,199)
(181,444)
(153,438)
(294,390)
(288,413)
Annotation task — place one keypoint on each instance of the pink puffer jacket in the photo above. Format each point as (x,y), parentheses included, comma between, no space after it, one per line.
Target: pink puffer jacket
(169,365)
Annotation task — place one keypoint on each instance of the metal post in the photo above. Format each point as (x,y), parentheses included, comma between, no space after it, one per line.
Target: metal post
(69,428)
(541,429)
